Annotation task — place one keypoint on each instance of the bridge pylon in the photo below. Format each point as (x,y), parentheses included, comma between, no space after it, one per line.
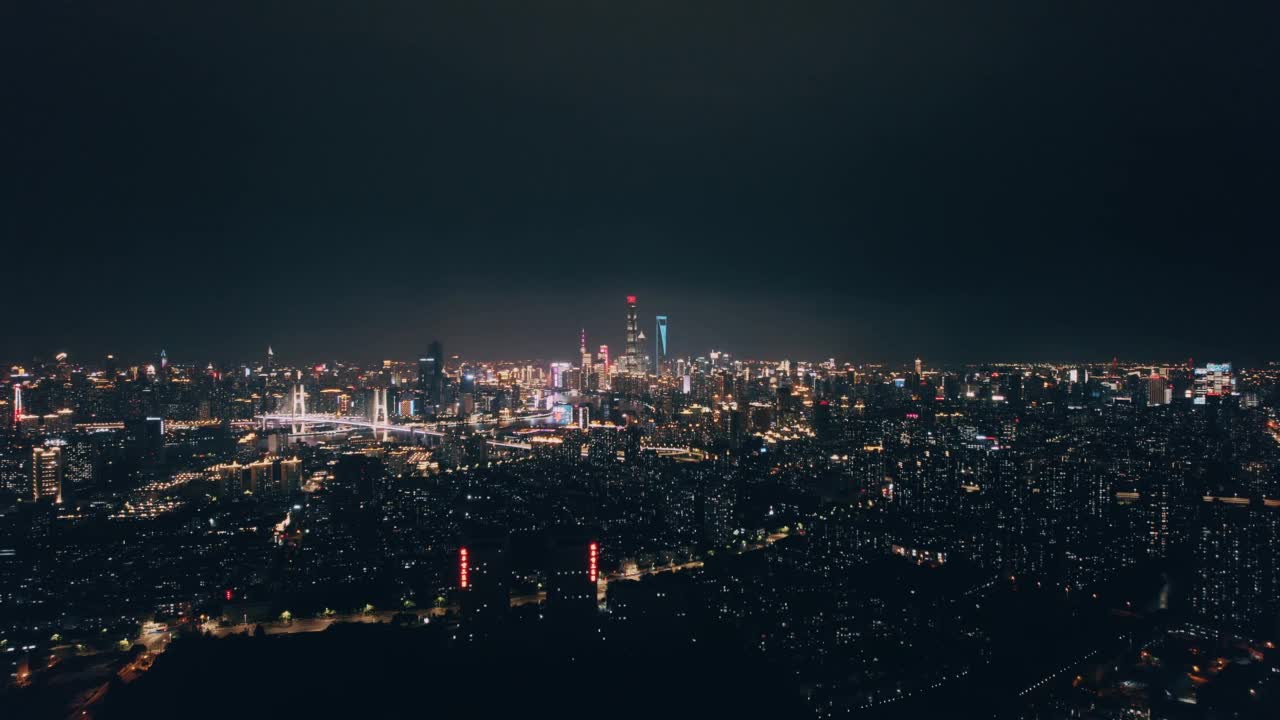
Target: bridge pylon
(298,405)
(378,414)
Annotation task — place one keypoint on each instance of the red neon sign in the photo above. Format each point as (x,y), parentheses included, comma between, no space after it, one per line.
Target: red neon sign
(464,567)
(593,562)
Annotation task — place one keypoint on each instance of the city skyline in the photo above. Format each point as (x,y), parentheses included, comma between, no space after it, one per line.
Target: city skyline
(299,361)
(862,359)
(767,330)
(979,535)
(643,346)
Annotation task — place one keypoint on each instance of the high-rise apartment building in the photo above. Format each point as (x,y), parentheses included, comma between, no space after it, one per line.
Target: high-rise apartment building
(46,473)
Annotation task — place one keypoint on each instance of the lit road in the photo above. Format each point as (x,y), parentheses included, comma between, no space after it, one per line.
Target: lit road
(81,709)
(155,638)
(304,625)
(318,624)
(636,575)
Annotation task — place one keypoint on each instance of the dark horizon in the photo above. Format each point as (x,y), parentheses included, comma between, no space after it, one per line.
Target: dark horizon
(867,181)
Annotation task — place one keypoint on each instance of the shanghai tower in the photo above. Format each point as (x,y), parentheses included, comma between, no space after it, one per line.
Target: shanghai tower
(632,353)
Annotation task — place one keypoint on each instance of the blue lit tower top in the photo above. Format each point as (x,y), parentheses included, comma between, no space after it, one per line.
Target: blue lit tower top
(660,345)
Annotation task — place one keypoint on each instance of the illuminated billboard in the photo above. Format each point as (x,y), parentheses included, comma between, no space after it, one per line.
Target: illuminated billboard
(561,414)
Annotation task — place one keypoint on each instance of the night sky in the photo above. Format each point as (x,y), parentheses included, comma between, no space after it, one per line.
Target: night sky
(869,179)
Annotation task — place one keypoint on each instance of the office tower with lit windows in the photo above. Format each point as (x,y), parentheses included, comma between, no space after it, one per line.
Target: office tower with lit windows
(1078,378)
(143,442)
(560,374)
(46,474)
(431,379)
(17,404)
(660,346)
(1213,380)
(603,367)
(1157,390)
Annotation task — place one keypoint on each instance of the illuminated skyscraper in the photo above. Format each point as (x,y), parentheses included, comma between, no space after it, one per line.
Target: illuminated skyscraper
(559,370)
(143,441)
(632,360)
(660,346)
(632,347)
(424,374)
(431,378)
(46,474)
(1157,390)
(584,382)
(1213,380)
(603,358)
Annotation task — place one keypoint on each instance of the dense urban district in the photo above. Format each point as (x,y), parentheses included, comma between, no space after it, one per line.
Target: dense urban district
(618,532)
